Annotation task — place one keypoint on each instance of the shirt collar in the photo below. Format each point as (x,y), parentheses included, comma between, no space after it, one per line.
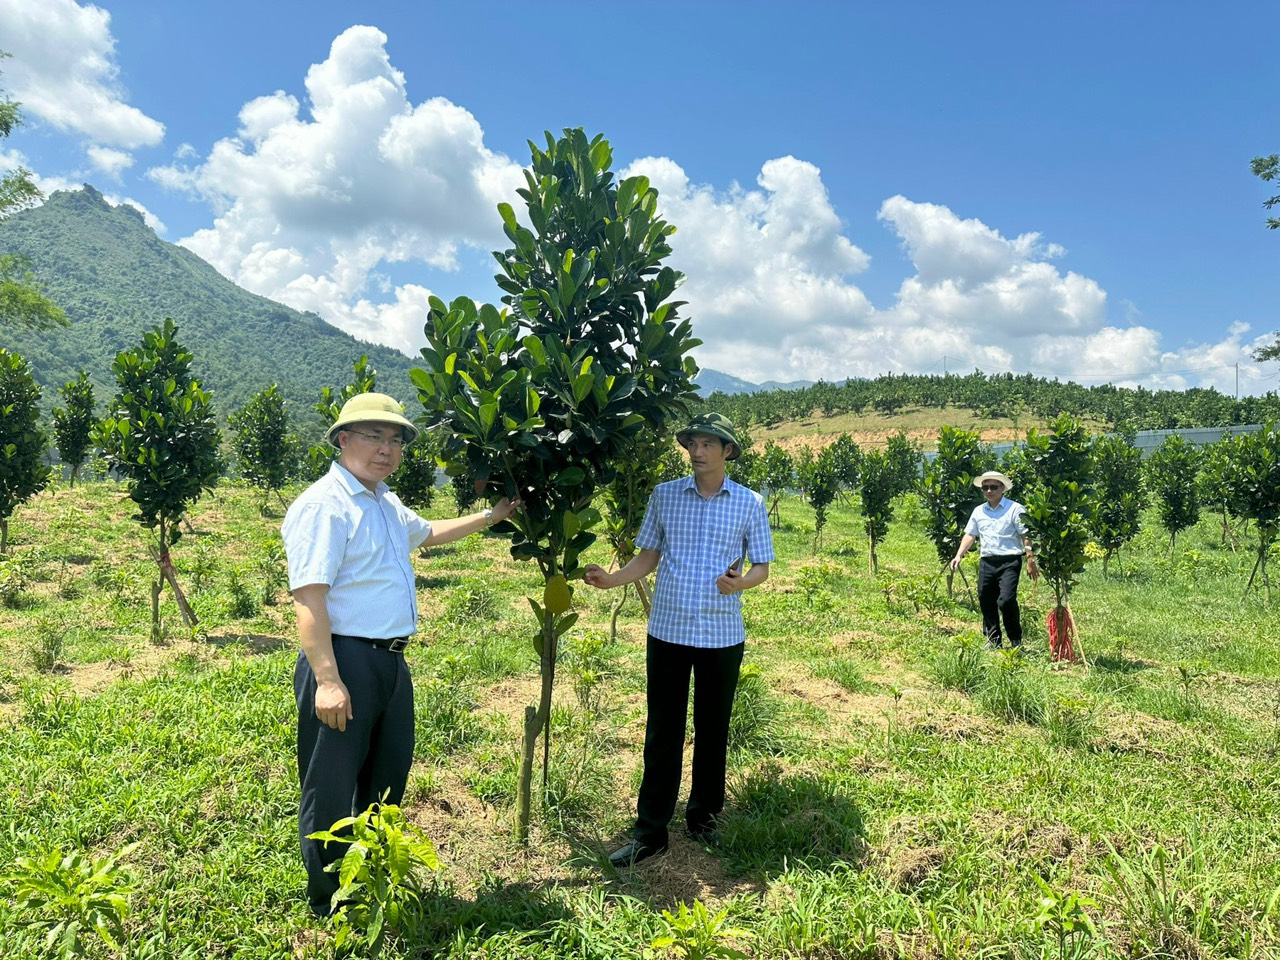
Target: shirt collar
(352,484)
(691,483)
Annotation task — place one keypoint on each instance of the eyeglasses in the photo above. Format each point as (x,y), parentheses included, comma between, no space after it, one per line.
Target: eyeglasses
(395,443)
(992,486)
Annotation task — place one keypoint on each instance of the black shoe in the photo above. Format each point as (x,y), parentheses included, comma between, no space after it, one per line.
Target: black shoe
(708,836)
(634,853)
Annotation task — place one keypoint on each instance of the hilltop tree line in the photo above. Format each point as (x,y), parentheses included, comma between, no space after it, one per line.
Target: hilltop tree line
(1001,395)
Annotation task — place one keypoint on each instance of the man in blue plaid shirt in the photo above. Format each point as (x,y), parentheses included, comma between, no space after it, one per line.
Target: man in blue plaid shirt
(697,533)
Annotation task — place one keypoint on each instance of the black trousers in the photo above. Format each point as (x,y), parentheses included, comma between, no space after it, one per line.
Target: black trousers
(998,597)
(715,678)
(341,773)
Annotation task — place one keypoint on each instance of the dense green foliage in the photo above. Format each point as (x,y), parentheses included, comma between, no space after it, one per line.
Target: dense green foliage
(1171,473)
(1001,395)
(947,489)
(818,477)
(1122,496)
(160,433)
(544,401)
(778,475)
(73,424)
(116,279)
(262,443)
(23,472)
(1061,502)
(1253,476)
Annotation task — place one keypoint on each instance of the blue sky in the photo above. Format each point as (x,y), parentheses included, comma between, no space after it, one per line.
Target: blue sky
(859,188)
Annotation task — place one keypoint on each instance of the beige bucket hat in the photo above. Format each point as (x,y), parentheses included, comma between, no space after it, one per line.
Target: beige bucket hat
(372,408)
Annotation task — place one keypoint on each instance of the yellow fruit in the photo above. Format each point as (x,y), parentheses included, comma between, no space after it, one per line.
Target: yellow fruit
(556,596)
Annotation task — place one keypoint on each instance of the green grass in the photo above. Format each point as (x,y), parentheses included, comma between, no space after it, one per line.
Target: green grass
(896,790)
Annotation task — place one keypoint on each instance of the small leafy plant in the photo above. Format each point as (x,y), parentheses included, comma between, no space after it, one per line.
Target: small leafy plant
(376,881)
(71,896)
(694,933)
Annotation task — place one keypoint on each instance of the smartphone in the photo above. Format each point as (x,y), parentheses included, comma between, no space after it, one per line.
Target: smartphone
(736,566)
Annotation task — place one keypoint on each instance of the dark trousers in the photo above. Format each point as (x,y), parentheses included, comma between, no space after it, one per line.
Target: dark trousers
(715,678)
(342,773)
(998,597)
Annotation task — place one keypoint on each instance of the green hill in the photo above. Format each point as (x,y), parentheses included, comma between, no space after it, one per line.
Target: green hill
(115,278)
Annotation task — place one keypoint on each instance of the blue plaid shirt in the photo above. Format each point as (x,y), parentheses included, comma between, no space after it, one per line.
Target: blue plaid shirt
(698,540)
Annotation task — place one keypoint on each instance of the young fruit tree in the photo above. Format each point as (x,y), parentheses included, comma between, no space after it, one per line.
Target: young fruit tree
(1060,506)
(543,399)
(161,434)
(948,493)
(878,483)
(779,475)
(1214,486)
(73,424)
(1121,495)
(819,479)
(1171,477)
(261,442)
(1254,475)
(23,472)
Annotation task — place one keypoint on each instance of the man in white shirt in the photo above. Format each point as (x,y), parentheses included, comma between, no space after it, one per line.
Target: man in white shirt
(998,525)
(349,542)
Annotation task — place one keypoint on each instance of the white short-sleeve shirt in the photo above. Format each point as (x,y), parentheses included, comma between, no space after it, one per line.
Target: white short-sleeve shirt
(1000,530)
(359,542)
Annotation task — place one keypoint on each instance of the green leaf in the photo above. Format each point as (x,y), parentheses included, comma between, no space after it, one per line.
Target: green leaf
(570,477)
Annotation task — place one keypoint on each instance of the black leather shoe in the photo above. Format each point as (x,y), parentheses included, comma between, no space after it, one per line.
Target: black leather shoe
(633,853)
(708,836)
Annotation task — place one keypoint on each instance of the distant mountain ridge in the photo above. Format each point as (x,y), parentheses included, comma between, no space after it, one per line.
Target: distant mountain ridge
(713,381)
(115,279)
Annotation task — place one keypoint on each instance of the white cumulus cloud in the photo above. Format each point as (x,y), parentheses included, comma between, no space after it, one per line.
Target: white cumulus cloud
(312,197)
(63,70)
(108,161)
(767,270)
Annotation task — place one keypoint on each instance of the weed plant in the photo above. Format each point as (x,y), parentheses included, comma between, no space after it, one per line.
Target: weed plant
(47,643)
(756,725)
(1011,690)
(961,665)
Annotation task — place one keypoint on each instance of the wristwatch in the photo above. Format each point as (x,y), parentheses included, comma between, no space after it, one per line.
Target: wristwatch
(488,517)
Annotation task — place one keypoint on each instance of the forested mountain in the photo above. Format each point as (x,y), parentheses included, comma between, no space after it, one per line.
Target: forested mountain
(115,278)
(713,381)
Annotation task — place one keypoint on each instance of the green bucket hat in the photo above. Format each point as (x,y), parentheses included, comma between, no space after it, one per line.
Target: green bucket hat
(372,408)
(713,425)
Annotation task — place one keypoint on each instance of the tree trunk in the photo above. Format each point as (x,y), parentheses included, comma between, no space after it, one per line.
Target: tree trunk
(4,535)
(537,721)
(871,551)
(645,595)
(1106,562)
(951,582)
(613,614)
(75,468)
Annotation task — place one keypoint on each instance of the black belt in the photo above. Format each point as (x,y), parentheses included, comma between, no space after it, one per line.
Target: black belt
(393,644)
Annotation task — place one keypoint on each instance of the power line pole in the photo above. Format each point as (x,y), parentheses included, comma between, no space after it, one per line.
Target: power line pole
(1237,379)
